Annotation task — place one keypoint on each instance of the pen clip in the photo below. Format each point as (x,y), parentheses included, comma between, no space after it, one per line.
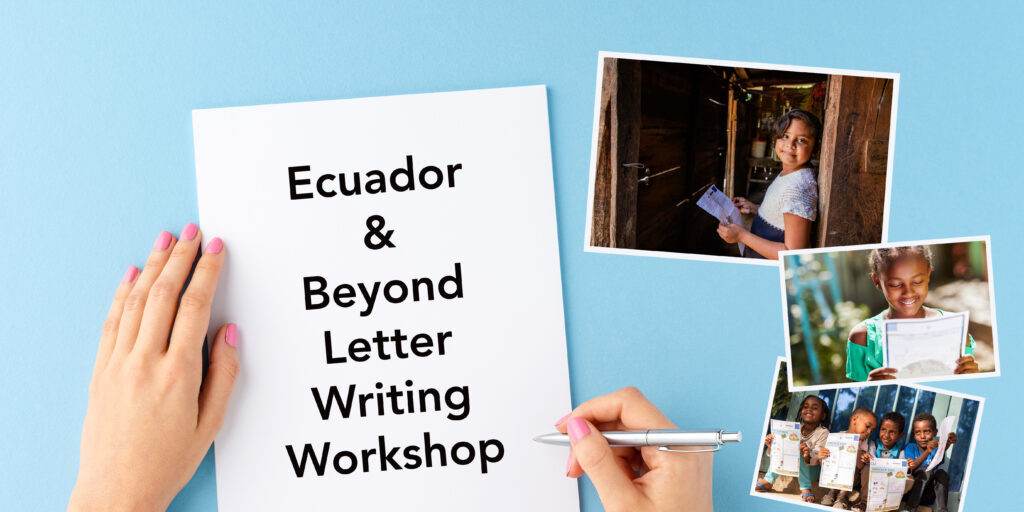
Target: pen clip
(667,449)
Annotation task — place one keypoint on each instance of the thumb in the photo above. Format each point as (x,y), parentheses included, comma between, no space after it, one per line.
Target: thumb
(220,380)
(593,454)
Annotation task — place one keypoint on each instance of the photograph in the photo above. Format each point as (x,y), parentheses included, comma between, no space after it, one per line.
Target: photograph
(871,447)
(737,161)
(910,311)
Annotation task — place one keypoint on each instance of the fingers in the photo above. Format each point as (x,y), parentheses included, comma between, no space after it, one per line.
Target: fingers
(135,304)
(113,321)
(220,381)
(966,364)
(614,485)
(882,374)
(627,406)
(193,318)
(162,303)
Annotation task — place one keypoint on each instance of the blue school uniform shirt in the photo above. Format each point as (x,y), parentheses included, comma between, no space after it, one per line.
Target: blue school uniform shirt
(878,451)
(913,451)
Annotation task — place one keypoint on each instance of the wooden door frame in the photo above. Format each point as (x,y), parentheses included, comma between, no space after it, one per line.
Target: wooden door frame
(613,221)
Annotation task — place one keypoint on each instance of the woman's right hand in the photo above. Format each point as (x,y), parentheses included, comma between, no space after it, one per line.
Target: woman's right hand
(745,205)
(882,374)
(768,440)
(634,479)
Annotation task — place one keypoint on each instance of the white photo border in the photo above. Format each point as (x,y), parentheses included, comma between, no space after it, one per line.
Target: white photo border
(601,55)
(991,298)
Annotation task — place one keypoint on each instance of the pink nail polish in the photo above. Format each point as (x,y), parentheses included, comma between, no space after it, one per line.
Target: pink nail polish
(577,429)
(163,240)
(231,335)
(189,232)
(563,418)
(214,246)
(131,274)
(568,465)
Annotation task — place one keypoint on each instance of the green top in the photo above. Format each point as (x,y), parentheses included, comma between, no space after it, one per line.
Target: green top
(860,360)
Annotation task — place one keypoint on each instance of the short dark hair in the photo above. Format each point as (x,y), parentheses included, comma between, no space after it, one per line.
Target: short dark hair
(927,417)
(863,410)
(783,122)
(896,418)
(882,259)
(824,408)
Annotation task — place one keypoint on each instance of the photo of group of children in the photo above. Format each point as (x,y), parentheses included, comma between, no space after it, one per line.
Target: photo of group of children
(790,166)
(868,447)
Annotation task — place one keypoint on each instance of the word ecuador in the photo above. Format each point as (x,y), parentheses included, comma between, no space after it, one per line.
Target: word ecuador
(402,179)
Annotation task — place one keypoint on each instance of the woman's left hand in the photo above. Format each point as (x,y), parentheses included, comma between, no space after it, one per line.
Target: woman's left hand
(966,364)
(151,416)
(731,233)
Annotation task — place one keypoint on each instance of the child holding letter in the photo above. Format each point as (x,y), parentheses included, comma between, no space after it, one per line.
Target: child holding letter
(814,414)
(783,219)
(928,484)
(902,275)
(889,446)
(862,423)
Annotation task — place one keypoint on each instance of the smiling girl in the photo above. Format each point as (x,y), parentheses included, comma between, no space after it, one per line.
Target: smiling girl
(783,220)
(902,275)
(814,418)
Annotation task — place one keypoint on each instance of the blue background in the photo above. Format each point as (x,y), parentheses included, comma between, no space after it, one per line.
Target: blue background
(96,159)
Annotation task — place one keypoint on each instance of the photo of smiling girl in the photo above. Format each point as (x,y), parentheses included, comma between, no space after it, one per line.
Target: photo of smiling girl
(783,219)
(908,312)
(902,275)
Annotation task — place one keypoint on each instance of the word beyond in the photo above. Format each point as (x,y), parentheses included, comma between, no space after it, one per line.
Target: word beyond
(395,291)
(346,462)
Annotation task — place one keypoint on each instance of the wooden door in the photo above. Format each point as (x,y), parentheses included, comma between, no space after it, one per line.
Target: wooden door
(854,157)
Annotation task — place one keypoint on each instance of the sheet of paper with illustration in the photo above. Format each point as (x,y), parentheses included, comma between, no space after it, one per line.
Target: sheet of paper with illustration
(945,428)
(924,347)
(887,480)
(392,266)
(716,203)
(837,470)
(785,449)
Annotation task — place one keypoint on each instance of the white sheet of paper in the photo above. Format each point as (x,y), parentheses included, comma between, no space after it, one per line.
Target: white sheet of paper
(837,470)
(719,205)
(785,450)
(493,226)
(887,480)
(924,347)
(944,429)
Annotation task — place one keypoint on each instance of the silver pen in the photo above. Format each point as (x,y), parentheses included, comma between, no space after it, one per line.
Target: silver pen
(663,439)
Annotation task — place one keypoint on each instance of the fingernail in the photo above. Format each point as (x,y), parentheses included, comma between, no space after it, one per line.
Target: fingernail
(163,240)
(568,465)
(131,274)
(560,420)
(577,429)
(231,335)
(214,246)
(189,232)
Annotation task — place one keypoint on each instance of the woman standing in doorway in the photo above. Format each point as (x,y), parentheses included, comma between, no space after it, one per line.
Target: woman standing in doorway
(783,220)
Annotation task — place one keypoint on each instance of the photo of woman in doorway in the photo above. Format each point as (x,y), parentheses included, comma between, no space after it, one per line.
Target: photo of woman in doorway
(800,157)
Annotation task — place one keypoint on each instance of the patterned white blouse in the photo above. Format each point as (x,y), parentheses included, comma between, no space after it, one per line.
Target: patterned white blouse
(795,193)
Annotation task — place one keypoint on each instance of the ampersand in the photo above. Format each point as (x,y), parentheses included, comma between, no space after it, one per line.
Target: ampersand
(375,223)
